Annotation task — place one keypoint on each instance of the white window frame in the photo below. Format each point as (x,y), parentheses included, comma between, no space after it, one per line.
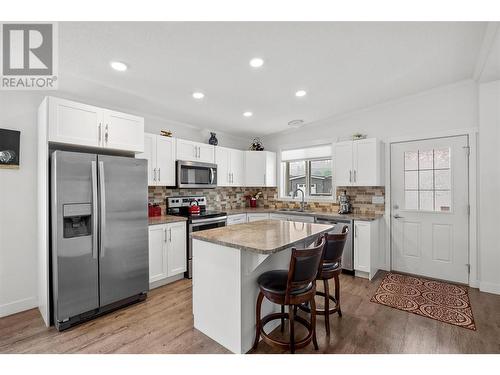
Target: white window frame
(308,198)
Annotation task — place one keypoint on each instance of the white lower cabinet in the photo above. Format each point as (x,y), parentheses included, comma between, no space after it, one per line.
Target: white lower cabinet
(366,248)
(167,250)
(254,216)
(236,219)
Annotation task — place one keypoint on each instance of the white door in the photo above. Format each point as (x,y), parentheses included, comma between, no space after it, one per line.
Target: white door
(165,161)
(222,159)
(123,131)
(343,163)
(176,248)
(429,208)
(74,123)
(157,253)
(237,168)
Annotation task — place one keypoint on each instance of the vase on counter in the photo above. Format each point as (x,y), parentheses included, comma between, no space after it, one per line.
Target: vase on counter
(213,139)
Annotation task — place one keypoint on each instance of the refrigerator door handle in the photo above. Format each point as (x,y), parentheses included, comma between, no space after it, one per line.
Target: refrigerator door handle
(95,228)
(102,189)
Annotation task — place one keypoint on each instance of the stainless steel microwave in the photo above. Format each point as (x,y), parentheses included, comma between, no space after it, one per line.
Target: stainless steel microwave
(193,174)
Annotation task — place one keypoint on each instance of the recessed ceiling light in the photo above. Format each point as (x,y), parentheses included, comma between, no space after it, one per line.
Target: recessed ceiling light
(198,95)
(118,65)
(301,93)
(256,62)
(248,114)
(296,123)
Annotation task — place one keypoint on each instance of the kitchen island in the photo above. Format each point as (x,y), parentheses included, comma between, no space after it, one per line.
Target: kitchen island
(226,264)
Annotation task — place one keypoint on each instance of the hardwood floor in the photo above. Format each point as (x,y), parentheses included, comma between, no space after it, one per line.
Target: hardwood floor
(164,324)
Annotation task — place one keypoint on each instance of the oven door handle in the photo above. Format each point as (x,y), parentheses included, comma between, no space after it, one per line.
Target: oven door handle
(197,223)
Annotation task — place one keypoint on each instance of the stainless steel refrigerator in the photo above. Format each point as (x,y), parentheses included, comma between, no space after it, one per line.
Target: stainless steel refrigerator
(99,241)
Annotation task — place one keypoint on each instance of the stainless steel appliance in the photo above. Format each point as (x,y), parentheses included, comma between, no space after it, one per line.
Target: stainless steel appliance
(191,174)
(344,204)
(348,255)
(99,241)
(204,220)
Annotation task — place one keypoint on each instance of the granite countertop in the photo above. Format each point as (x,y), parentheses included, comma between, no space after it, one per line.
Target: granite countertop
(322,214)
(165,219)
(264,236)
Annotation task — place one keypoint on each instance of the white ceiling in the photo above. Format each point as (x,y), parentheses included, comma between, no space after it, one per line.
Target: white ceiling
(343,66)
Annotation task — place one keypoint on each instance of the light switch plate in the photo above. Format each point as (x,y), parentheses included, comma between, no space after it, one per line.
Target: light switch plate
(378,199)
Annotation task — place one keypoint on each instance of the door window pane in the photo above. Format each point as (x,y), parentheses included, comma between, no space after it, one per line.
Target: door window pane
(425,160)
(442,178)
(426,200)
(427,180)
(411,160)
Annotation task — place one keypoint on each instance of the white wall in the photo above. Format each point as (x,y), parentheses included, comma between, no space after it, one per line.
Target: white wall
(18,253)
(489,186)
(448,107)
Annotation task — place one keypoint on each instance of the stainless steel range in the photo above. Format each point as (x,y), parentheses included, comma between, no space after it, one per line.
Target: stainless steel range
(203,220)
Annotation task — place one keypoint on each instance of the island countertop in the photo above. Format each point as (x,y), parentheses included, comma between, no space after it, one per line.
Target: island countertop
(263,236)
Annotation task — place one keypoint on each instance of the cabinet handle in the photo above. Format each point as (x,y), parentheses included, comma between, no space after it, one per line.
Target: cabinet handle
(199,152)
(159,174)
(350,175)
(106,134)
(154,174)
(354,175)
(100,133)
(265,179)
(170,234)
(165,234)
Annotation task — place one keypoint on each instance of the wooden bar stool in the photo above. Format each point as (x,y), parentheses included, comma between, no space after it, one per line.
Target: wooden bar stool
(330,268)
(291,288)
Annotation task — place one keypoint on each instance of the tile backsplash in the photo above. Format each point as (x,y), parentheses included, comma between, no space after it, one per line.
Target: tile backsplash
(223,198)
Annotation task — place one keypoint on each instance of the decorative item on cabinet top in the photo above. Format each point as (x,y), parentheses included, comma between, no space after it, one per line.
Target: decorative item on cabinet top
(9,148)
(166,133)
(213,139)
(256,145)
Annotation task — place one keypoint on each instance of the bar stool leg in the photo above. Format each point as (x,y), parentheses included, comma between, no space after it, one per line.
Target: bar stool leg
(313,323)
(282,328)
(257,319)
(291,314)
(337,293)
(327,307)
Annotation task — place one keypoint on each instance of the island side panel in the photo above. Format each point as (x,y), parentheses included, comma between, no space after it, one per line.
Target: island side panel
(252,266)
(217,293)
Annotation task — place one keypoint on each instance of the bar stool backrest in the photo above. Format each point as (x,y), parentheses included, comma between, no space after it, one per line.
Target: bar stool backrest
(304,266)
(334,247)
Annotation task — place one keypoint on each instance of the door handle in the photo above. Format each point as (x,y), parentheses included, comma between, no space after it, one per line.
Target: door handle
(102,238)
(398,217)
(95,227)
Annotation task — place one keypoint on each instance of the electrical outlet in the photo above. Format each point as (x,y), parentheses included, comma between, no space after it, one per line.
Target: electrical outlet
(378,199)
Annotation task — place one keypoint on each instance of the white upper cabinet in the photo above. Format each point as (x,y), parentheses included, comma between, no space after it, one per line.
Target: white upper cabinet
(79,124)
(74,123)
(195,151)
(359,163)
(159,151)
(123,131)
(260,169)
(230,166)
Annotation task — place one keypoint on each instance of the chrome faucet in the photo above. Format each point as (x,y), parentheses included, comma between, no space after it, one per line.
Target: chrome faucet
(302,203)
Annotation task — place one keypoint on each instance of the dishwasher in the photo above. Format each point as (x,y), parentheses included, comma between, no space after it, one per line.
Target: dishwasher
(348,255)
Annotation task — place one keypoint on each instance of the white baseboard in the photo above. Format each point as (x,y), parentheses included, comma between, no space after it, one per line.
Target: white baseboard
(168,280)
(489,287)
(474,283)
(18,306)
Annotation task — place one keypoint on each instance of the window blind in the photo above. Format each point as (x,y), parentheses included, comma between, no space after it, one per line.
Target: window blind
(314,152)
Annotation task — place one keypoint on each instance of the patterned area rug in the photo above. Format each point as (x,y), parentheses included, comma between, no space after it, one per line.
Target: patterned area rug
(448,303)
